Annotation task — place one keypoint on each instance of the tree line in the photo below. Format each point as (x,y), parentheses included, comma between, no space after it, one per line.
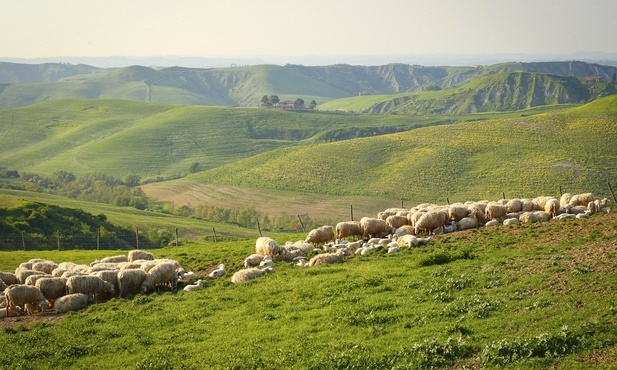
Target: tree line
(273,101)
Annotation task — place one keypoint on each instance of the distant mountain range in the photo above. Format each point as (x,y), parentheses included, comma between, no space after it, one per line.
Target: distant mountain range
(498,87)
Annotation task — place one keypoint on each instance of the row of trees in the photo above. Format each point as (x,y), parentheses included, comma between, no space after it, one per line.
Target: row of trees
(273,101)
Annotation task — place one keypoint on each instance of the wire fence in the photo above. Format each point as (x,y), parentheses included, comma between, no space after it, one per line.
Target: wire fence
(68,242)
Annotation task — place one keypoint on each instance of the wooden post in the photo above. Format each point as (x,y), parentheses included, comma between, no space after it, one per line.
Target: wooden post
(136,237)
(503,194)
(59,239)
(214,231)
(301,224)
(560,191)
(178,243)
(98,238)
(612,193)
(259,228)
(402,206)
(351,210)
(23,239)
(448,200)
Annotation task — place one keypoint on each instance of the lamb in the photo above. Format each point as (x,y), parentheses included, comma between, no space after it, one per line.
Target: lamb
(253,260)
(52,288)
(138,254)
(220,271)
(495,210)
(305,248)
(348,229)
(320,235)
(510,221)
(327,258)
(249,274)
(9,278)
(374,227)
(266,246)
(492,223)
(160,275)
(431,220)
(129,281)
(199,284)
(24,296)
(71,302)
(91,285)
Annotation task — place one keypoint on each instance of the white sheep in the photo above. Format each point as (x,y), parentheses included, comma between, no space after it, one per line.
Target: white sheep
(110,276)
(407,241)
(394,249)
(492,223)
(327,258)
(138,254)
(52,288)
(45,266)
(91,285)
(397,221)
(249,274)
(469,222)
(253,260)
(199,284)
(31,280)
(348,229)
(23,273)
(495,210)
(129,281)
(322,234)
(218,272)
(115,259)
(72,302)
(24,296)
(9,278)
(552,207)
(161,275)
(431,220)
(510,221)
(375,228)
(266,246)
(582,199)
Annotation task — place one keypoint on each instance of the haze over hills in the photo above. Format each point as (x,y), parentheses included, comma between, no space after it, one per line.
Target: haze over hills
(22,84)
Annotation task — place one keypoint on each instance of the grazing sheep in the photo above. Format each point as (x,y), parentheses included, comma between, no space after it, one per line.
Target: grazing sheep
(266,246)
(129,281)
(9,278)
(67,265)
(320,235)
(348,229)
(404,230)
(45,266)
(495,210)
(249,274)
(71,302)
(91,285)
(514,205)
(457,211)
(22,274)
(110,276)
(564,201)
(2,285)
(375,228)
(161,275)
(397,221)
(539,203)
(58,272)
(220,271)
(115,259)
(138,254)
(582,199)
(24,296)
(31,280)
(327,258)
(52,288)
(431,220)
(69,273)
(103,266)
(199,284)
(552,207)
(305,248)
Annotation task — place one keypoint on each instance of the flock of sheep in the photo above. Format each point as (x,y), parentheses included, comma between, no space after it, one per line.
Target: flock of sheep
(38,284)
(67,286)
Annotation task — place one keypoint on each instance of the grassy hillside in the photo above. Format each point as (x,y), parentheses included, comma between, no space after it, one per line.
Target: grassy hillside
(524,156)
(120,137)
(527,297)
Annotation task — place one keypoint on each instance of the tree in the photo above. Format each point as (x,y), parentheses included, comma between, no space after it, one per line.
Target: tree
(265,101)
(274,99)
(299,103)
(195,167)
(132,180)
(614,77)
(312,104)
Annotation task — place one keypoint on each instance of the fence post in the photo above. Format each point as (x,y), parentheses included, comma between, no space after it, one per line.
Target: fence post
(177,243)
(448,200)
(351,209)
(23,239)
(59,239)
(301,224)
(612,193)
(402,205)
(259,228)
(98,238)
(560,191)
(136,237)
(214,231)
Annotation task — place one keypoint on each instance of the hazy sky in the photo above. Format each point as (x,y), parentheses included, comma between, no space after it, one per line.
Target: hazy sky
(254,28)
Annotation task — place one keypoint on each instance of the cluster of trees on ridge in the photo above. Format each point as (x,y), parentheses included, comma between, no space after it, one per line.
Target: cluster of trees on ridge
(273,101)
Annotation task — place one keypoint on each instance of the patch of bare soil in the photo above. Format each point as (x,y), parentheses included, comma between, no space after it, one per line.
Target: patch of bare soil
(27,320)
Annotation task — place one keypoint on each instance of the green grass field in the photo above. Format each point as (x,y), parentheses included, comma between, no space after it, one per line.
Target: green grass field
(527,297)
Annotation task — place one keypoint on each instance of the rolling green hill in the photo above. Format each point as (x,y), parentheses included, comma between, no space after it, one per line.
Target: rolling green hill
(523,157)
(245,86)
(122,137)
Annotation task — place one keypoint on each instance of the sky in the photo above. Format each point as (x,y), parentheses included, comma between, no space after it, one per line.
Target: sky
(295,29)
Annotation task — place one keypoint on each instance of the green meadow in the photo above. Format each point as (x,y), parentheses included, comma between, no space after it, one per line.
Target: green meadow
(525,297)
